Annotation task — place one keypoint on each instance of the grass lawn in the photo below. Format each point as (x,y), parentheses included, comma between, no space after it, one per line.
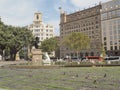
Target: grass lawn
(80,78)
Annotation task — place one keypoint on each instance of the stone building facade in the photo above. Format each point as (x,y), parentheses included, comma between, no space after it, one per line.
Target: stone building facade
(110,19)
(39,29)
(87,21)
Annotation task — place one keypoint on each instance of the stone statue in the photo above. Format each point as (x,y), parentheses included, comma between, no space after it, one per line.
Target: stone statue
(36,42)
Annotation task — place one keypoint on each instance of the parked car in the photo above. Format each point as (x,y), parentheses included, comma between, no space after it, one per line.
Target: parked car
(75,58)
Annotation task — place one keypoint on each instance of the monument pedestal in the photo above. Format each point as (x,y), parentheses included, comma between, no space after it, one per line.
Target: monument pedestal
(36,57)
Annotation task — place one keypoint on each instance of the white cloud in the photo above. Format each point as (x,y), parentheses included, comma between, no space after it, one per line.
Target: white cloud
(86,3)
(64,1)
(17,12)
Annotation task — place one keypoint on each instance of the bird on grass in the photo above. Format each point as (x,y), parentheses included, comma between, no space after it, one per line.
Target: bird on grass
(64,73)
(95,81)
(105,75)
(87,77)
(76,75)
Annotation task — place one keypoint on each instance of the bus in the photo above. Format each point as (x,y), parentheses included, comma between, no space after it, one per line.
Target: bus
(94,59)
(112,58)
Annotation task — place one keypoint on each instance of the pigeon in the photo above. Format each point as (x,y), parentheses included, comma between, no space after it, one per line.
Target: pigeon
(105,75)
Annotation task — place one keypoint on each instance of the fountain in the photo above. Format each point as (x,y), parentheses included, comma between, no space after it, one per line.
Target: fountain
(46,59)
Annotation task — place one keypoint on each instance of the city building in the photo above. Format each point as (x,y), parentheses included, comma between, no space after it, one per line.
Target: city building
(57,51)
(87,21)
(39,29)
(110,21)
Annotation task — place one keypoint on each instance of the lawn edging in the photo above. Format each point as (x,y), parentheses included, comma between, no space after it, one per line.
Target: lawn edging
(91,65)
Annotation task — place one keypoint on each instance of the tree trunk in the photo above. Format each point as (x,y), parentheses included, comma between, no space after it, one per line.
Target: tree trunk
(77,55)
(11,56)
(2,55)
(14,56)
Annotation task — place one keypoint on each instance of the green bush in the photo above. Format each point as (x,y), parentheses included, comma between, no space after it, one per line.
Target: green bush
(85,63)
(60,63)
(115,62)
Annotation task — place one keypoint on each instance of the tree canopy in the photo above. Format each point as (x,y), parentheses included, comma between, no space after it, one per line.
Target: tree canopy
(49,45)
(76,41)
(14,38)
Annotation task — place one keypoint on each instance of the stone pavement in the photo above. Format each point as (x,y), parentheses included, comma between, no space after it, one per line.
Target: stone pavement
(4,63)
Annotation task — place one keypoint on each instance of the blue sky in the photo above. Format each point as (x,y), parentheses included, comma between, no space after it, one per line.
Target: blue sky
(21,12)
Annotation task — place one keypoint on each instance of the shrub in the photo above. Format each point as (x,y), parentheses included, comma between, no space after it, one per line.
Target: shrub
(60,63)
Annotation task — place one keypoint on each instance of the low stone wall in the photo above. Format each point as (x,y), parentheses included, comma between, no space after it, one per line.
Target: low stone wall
(91,65)
(34,67)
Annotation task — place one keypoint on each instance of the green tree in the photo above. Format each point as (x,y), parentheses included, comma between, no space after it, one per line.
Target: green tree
(103,52)
(14,39)
(76,41)
(2,39)
(20,37)
(49,45)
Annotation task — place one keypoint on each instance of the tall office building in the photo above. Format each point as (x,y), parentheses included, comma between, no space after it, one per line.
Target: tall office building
(87,21)
(39,29)
(110,19)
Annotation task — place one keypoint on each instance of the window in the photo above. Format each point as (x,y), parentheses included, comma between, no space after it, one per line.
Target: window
(90,28)
(115,43)
(115,32)
(109,14)
(105,43)
(111,37)
(113,13)
(96,26)
(96,17)
(104,16)
(118,12)
(41,38)
(110,32)
(115,47)
(96,22)
(46,30)
(119,28)
(111,48)
(37,17)
(37,30)
(115,37)
(104,38)
(111,43)
(104,33)
(105,48)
